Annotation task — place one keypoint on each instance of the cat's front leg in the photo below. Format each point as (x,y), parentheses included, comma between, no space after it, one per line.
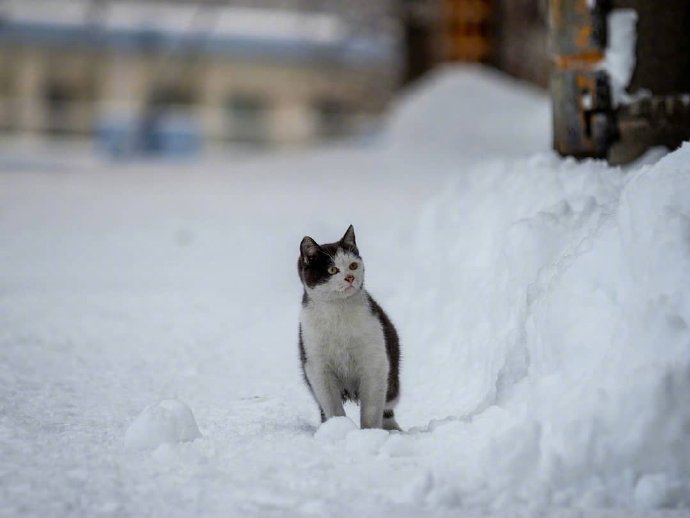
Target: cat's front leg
(326,389)
(373,398)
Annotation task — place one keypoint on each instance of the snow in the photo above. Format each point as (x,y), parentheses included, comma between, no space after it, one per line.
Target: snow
(468,103)
(654,490)
(166,422)
(366,441)
(620,56)
(543,306)
(572,338)
(335,429)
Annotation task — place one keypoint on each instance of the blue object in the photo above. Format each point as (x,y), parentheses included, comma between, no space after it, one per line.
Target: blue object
(116,138)
(159,133)
(172,134)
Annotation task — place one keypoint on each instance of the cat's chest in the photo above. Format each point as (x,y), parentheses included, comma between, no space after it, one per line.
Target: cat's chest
(337,329)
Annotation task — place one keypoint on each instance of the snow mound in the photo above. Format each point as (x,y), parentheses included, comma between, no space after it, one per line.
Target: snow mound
(470,110)
(335,429)
(560,299)
(166,422)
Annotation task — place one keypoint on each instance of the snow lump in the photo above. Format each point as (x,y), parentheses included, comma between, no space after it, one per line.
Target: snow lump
(166,422)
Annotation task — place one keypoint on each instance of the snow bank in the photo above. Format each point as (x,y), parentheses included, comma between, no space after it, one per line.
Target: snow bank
(551,302)
(469,111)
(166,422)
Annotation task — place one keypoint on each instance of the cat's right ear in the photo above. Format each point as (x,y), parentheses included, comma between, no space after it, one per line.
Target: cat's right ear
(349,237)
(308,249)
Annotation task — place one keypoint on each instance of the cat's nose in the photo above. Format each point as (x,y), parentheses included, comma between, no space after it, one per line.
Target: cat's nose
(350,278)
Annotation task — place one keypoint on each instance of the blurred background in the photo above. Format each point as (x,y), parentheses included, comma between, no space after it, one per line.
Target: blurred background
(160,161)
(180,77)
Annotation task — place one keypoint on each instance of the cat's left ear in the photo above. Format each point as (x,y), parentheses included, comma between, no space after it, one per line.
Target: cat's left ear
(308,249)
(349,237)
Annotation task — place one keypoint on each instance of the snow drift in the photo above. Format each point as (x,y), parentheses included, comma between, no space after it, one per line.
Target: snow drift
(469,111)
(551,302)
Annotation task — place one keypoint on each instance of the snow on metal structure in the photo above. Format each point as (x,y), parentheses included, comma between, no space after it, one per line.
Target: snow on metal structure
(619,57)
(619,77)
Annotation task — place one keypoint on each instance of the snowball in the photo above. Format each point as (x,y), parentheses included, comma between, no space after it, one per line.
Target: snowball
(335,429)
(365,441)
(169,421)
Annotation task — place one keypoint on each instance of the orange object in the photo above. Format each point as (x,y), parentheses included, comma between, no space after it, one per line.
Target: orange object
(466,30)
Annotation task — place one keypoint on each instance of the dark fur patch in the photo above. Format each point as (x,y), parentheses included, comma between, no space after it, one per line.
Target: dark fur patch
(392,349)
(346,396)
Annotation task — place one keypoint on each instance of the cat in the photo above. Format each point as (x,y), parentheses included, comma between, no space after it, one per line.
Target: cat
(349,349)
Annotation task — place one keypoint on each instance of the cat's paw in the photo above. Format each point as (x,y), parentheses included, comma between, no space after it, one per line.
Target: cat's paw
(390,424)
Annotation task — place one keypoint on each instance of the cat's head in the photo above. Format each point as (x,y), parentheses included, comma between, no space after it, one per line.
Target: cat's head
(331,271)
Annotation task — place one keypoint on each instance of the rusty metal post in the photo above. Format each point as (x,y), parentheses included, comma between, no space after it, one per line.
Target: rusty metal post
(583,122)
(660,116)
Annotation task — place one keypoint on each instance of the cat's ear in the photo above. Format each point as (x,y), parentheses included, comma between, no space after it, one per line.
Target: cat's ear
(308,249)
(349,237)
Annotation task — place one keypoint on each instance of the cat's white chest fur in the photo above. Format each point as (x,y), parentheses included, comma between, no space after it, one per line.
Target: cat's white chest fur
(345,338)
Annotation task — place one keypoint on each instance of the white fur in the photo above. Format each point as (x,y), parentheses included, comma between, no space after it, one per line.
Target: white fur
(345,345)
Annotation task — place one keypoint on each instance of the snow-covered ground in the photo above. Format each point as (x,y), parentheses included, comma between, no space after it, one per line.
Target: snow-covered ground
(543,306)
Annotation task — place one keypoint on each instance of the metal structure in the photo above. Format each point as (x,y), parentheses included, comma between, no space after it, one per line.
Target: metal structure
(438,31)
(467,29)
(586,123)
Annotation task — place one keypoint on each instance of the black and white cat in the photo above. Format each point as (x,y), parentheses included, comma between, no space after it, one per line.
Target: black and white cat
(348,347)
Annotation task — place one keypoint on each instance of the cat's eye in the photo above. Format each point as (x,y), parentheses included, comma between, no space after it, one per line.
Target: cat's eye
(354,266)
(332,270)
